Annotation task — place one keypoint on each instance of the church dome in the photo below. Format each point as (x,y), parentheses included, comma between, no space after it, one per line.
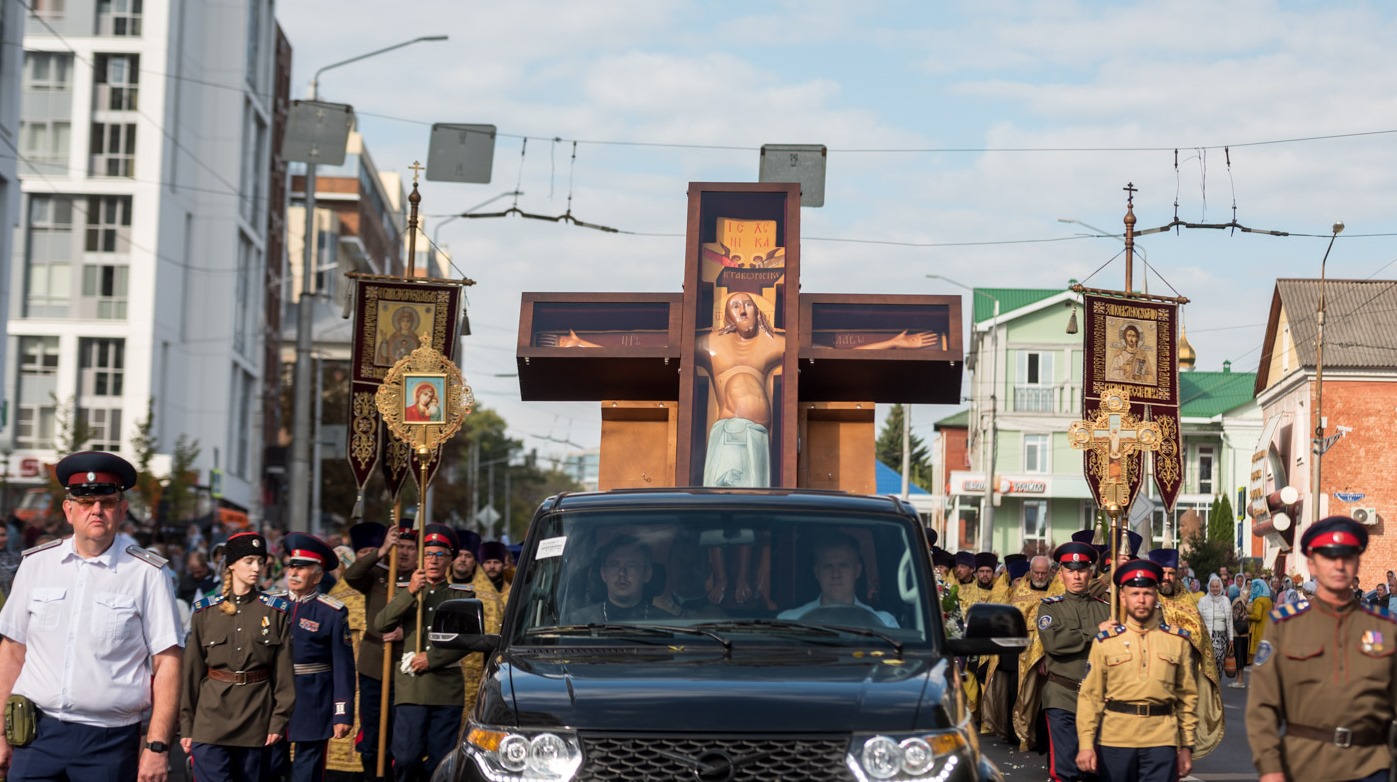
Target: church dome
(1187,355)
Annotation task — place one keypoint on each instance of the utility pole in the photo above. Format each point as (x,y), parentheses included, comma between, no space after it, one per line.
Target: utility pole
(1320,446)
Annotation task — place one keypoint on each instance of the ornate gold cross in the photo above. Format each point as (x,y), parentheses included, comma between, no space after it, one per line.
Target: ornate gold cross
(417,168)
(1114,435)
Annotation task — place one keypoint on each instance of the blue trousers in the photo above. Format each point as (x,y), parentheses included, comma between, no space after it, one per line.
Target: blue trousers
(422,737)
(67,751)
(308,766)
(217,763)
(370,690)
(1138,764)
(1062,746)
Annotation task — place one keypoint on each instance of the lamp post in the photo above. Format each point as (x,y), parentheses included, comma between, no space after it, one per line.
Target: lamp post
(987,503)
(1320,446)
(299,474)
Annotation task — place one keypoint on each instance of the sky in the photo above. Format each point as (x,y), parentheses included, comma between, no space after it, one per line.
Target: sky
(960,136)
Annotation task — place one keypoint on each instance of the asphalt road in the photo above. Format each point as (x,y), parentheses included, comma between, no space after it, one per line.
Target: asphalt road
(1230,762)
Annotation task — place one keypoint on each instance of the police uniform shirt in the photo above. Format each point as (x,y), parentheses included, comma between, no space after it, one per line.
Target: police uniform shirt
(1141,664)
(442,684)
(1067,624)
(322,656)
(1323,667)
(89,628)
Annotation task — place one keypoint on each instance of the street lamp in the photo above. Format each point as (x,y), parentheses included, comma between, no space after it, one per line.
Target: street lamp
(1320,446)
(299,474)
(987,509)
(1104,234)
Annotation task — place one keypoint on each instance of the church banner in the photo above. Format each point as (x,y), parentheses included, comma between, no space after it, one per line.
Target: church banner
(392,317)
(1130,346)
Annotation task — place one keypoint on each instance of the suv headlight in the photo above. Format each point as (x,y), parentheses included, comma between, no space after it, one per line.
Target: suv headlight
(920,757)
(507,755)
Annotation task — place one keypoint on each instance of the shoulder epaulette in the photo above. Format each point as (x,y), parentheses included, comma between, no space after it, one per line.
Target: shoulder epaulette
(1379,611)
(207,602)
(278,592)
(148,557)
(272,601)
(1053,599)
(1108,633)
(41,547)
(1286,611)
(463,587)
(1175,630)
(329,601)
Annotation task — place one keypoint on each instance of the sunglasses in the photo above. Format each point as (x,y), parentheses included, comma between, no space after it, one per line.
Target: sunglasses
(108,502)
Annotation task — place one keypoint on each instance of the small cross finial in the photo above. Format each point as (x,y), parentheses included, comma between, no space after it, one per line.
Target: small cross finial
(417,168)
(1130,190)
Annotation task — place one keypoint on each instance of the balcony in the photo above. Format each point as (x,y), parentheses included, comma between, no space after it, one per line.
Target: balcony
(1034,399)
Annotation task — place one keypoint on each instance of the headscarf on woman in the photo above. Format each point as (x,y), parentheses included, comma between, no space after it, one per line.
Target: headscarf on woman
(1259,613)
(1259,589)
(1215,609)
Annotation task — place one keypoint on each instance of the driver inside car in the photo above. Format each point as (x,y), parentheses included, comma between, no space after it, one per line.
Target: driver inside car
(625,568)
(838,567)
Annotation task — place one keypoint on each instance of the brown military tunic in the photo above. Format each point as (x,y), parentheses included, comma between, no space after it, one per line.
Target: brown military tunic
(257,639)
(1320,668)
(1139,664)
(370,577)
(442,684)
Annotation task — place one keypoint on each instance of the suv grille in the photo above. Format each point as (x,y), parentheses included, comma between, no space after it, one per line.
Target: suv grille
(712,758)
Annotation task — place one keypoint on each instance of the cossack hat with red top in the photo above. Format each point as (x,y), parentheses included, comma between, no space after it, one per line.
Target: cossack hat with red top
(440,535)
(1075,555)
(244,544)
(303,549)
(95,473)
(1335,536)
(1138,573)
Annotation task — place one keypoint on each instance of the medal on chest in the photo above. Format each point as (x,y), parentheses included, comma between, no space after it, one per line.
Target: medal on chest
(266,626)
(1372,642)
(309,626)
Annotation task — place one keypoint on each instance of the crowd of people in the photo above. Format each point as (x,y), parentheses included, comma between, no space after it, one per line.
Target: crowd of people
(241,653)
(1134,693)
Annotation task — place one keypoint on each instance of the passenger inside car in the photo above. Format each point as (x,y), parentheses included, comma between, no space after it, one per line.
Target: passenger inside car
(837,566)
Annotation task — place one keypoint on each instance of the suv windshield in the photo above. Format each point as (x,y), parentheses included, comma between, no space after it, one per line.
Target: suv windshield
(833,578)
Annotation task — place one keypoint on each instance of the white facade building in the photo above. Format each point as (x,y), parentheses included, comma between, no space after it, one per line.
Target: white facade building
(141,249)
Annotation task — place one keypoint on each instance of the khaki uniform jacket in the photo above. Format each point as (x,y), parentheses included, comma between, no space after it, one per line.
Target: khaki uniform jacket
(1139,664)
(369,579)
(255,638)
(1322,667)
(442,683)
(1067,626)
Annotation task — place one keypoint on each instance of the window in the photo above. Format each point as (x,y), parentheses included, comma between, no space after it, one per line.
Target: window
(1035,453)
(1033,386)
(253,69)
(254,165)
(113,149)
(104,292)
(44,143)
(49,10)
(116,79)
(102,365)
(47,71)
(48,281)
(38,386)
(1206,460)
(241,419)
(243,300)
(103,425)
(1035,521)
(108,224)
(119,17)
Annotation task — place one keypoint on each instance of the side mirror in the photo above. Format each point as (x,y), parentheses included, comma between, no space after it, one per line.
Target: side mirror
(460,625)
(991,628)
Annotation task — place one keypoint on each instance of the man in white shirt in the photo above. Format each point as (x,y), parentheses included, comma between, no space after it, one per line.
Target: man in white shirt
(838,566)
(92,636)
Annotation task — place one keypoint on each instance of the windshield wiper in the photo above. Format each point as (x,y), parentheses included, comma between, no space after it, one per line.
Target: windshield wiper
(617,627)
(802,628)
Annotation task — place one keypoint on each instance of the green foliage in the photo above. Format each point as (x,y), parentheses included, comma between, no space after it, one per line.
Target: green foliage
(180,487)
(1211,548)
(144,446)
(888,449)
(71,431)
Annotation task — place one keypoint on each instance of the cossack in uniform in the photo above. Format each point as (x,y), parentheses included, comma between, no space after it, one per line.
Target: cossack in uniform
(1328,674)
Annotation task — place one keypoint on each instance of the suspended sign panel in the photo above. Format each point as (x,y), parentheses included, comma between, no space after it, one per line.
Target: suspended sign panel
(801,163)
(461,153)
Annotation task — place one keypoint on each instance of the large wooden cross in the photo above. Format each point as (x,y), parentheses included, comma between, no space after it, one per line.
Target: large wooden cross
(1114,435)
(784,394)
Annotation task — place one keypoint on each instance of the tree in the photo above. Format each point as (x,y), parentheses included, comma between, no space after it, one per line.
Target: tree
(1208,551)
(888,449)
(144,446)
(179,493)
(71,431)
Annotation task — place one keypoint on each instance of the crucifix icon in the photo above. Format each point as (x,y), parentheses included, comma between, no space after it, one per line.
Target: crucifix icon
(1114,435)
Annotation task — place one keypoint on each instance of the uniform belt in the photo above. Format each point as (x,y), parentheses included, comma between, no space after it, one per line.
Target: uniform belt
(240,677)
(1072,684)
(1339,737)
(305,669)
(1140,709)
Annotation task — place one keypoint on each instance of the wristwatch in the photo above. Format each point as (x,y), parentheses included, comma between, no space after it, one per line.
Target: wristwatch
(157,746)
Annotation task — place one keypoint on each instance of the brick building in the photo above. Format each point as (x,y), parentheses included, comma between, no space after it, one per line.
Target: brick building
(1359,470)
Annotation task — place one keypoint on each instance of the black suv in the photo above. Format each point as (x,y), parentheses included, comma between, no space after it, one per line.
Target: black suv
(722,635)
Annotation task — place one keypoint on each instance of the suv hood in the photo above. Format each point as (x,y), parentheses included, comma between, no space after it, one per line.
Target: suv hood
(634,690)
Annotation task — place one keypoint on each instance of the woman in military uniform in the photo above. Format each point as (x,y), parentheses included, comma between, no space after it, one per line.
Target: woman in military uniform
(238,683)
